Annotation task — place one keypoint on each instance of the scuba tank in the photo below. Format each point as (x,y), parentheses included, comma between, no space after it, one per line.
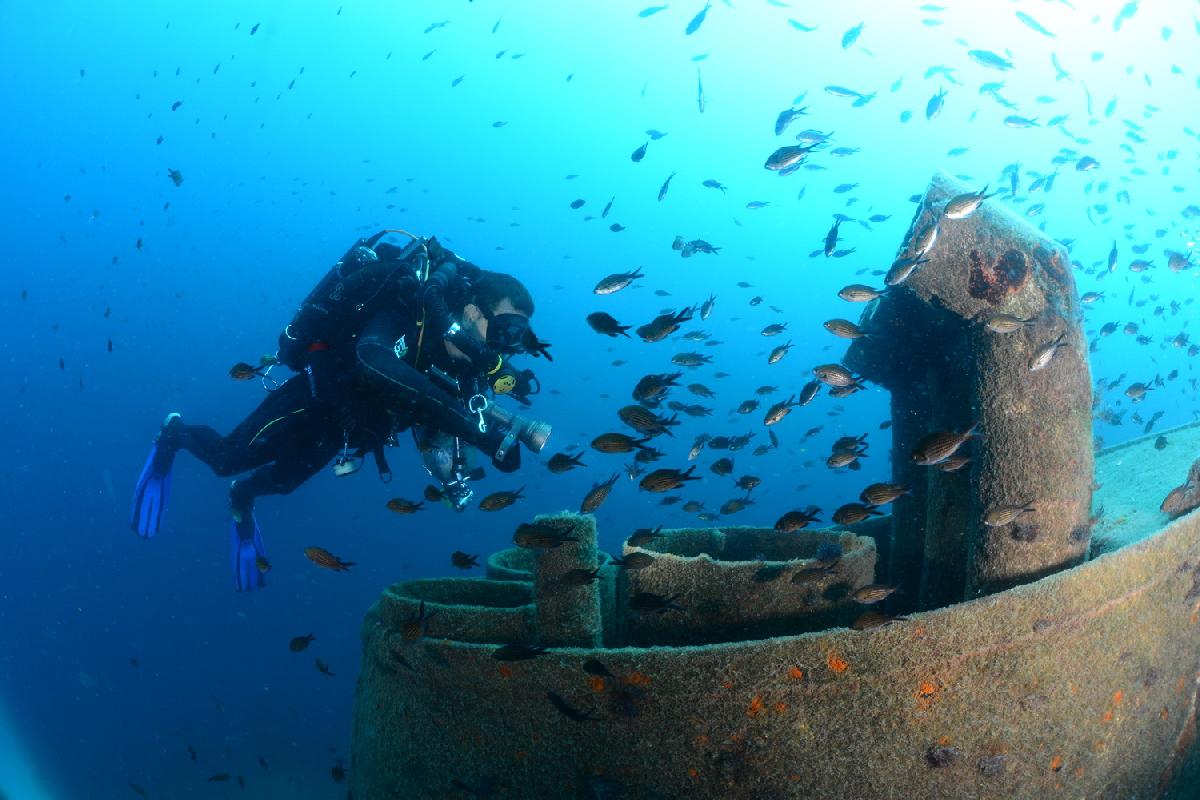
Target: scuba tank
(349,288)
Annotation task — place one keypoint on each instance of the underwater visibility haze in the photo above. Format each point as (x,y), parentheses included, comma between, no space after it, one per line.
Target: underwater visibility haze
(701,199)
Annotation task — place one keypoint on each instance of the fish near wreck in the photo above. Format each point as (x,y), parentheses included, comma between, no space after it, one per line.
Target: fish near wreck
(1185,497)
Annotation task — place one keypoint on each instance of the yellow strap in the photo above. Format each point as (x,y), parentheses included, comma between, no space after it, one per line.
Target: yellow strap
(263,429)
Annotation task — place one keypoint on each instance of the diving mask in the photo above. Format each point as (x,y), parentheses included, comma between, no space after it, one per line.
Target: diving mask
(506,332)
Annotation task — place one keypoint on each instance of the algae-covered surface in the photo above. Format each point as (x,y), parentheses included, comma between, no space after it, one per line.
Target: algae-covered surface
(1080,685)
(1134,478)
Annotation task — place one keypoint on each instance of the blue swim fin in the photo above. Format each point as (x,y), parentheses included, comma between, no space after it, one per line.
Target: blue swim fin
(250,563)
(152,492)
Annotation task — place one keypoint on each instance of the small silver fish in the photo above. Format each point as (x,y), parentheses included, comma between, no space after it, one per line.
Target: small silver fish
(1042,356)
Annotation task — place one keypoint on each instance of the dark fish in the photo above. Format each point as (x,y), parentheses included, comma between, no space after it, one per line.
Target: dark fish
(618,443)
(662,192)
(835,375)
(858,293)
(787,157)
(651,388)
(517,652)
(940,445)
(934,106)
(869,620)
(1004,515)
(567,711)
(795,520)
(538,536)
(254,30)
(844,328)
(562,462)
(296,645)
(812,573)
(639,154)
(597,495)
(579,577)
(242,371)
(851,36)
(664,480)
(650,603)
(853,513)
(594,667)
(878,494)
(463,560)
(786,117)
(500,500)
(1033,24)
(778,353)
(176,176)
(664,325)
(634,561)
(578,203)
(808,392)
(989,59)
(220,777)
(327,560)
(697,20)
(873,593)
(1045,353)
(617,281)
(644,536)
(398,505)
(323,668)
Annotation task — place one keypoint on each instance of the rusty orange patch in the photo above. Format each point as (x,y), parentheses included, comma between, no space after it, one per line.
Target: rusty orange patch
(597,684)
(837,663)
(926,689)
(1108,715)
(693,772)
(726,684)
(1118,696)
(756,706)
(1164,713)
(637,679)
(1056,763)
(945,740)
(795,673)
(505,671)
(780,708)
(701,740)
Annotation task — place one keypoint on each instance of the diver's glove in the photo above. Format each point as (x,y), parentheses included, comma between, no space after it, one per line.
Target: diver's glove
(531,344)
(483,358)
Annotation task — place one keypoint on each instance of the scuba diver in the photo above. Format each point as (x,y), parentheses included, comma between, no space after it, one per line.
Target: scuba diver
(391,338)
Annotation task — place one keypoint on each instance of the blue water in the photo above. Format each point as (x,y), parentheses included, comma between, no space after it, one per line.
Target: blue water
(332,121)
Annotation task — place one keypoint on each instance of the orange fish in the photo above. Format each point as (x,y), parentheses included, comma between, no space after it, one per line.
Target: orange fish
(323,558)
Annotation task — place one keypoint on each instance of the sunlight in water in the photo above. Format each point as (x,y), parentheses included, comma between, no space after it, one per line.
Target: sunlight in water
(18,778)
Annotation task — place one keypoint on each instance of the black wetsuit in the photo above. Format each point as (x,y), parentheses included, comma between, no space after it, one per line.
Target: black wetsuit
(366,381)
